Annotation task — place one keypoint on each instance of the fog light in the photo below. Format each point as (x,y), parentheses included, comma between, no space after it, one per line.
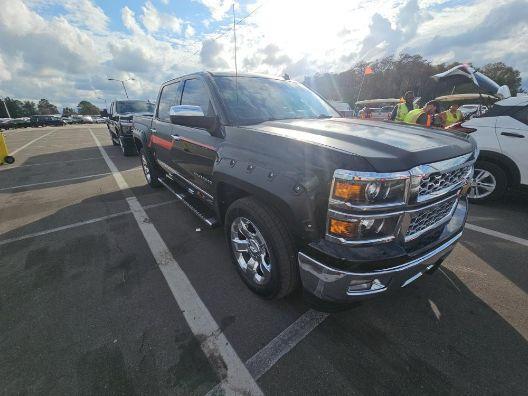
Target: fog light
(360,285)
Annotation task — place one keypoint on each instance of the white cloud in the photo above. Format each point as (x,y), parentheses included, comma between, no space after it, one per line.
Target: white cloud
(85,13)
(154,21)
(189,31)
(129,20)
(217,8)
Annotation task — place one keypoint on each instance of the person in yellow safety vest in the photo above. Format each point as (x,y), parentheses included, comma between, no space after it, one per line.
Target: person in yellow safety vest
(401,109)
(423,116)
(451,116)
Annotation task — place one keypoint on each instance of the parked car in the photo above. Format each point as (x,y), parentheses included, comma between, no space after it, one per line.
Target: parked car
(46,120)
(120,122)
(382,113)
(473,109)
(502,137)
(347,209)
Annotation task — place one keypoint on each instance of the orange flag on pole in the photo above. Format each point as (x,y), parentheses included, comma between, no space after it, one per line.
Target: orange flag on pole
(368,70)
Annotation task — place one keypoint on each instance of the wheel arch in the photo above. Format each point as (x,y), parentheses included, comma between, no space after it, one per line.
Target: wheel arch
(507,164)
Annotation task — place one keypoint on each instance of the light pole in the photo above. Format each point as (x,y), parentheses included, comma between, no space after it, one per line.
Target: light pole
(6,109)
(123,83)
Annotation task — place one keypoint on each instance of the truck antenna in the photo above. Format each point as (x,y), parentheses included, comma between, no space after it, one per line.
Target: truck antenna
(236,65)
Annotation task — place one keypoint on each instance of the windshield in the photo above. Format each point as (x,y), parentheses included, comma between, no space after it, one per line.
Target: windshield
(136,106)
(264,99)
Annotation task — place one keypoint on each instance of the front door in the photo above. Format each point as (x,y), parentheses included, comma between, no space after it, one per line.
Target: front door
(512,133)
(161,139)
(195,149)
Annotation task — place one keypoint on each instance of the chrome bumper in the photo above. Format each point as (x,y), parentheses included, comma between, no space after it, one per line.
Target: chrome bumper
(334,285)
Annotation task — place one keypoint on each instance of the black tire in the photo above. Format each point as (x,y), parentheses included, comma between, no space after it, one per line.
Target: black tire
(9,159)
(501,181)
(115,142)
(284,273)
(128,147)
(153,170)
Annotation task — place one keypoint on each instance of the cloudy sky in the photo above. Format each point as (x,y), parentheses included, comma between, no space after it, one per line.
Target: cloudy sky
(66,50)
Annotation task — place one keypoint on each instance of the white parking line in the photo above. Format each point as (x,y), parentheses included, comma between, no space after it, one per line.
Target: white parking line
(31,142)
(212,340)
(65,180)
(497,234)
(79,224)
(268,356)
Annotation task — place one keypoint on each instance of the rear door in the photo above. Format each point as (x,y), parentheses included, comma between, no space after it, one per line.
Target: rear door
(512,133)
(194,149)
(161,139)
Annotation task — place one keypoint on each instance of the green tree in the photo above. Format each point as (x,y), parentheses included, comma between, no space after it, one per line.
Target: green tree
(68,111)
(30,108)
(503,75)
(86,108)
(46,108)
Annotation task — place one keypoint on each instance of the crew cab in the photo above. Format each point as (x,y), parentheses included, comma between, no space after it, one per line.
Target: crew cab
(120,122)
(346,208)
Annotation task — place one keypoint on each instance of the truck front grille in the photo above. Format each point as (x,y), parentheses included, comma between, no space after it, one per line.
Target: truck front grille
(440,182)
(430,217)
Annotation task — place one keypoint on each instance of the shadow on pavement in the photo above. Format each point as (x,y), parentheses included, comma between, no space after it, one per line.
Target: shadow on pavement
(87,311)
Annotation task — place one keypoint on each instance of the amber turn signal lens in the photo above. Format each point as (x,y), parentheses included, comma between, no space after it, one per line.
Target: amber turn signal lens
(349,192)
(343,228)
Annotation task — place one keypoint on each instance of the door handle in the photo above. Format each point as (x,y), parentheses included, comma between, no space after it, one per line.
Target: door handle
(153,130)
(511,134)
(176,137)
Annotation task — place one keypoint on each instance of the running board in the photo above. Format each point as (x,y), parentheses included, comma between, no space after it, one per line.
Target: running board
(199,208)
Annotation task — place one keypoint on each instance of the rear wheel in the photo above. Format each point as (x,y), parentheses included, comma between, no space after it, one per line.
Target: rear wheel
(262,248)
(489,182)
(151,172)
(9,159)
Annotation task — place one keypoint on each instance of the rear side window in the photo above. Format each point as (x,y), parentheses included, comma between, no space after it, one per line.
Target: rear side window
(195,94)
(170,96)
(522,115)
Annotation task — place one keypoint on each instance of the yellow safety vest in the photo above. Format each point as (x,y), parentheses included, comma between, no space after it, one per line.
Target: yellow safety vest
(452,118)
(402,112)
(412,116)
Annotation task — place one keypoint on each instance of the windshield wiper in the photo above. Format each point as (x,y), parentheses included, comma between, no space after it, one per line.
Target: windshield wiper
(321,116)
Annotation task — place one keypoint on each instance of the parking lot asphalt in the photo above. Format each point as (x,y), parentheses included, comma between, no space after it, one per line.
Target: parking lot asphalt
(85,307)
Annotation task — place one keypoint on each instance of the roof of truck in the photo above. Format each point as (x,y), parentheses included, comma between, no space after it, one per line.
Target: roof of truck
(225,74)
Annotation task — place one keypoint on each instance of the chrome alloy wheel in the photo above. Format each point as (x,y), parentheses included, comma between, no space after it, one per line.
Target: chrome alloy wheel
(251,251)
(483,184)
(144,165)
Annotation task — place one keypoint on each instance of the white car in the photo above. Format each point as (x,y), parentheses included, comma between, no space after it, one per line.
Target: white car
(502,137)
(473,109)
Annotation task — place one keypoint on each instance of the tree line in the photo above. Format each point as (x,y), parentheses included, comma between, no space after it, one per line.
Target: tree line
(393,76)
(27,108)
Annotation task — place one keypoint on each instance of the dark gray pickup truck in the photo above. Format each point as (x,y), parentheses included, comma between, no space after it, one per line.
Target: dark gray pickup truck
(346,208)
(120,122)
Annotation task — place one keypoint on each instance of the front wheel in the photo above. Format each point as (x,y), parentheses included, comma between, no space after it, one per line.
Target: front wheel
(489,182)
(9,159)
(262,248)
(150,171)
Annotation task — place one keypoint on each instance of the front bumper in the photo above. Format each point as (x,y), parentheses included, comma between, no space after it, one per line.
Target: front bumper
(338,285)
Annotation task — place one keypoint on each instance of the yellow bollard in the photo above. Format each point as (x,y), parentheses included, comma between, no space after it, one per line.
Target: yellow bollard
(4,154)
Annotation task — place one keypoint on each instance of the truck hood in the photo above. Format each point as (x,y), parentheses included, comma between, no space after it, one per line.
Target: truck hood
(388,147)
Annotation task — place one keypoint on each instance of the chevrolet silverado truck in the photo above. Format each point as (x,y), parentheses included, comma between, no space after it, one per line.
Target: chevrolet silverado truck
(345,208)
(120,122)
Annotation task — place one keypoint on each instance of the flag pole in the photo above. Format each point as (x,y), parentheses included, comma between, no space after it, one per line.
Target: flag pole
(359,93)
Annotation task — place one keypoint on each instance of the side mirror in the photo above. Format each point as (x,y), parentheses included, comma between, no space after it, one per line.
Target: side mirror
(191,116)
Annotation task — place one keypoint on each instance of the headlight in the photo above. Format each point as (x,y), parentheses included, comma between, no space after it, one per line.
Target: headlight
(361,189)
(362,229)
